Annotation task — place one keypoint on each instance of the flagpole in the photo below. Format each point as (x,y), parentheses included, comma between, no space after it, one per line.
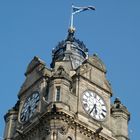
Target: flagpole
(71,24)
(71,20)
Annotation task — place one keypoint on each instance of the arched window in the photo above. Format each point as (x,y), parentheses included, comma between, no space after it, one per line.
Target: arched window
(69,138)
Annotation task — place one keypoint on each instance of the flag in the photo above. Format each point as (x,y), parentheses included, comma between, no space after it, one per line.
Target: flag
(76,10)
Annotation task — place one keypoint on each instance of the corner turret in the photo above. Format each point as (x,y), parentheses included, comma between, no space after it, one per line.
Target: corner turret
(11,118)
(120,120)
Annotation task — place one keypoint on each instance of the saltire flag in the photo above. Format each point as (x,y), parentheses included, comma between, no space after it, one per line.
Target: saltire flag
(76,10)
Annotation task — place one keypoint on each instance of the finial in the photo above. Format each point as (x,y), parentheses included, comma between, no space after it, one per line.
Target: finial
(95,54)
(117,101)
(71,32)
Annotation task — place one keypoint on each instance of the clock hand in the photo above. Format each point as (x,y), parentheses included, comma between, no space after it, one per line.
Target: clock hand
(29,109)
(96,109)
(94,106)
(28,112)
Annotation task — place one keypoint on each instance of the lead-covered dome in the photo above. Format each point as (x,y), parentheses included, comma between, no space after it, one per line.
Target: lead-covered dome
(70,49)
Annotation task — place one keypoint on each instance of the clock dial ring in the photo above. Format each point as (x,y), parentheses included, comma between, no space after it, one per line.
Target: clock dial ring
(94,105)
(29,107)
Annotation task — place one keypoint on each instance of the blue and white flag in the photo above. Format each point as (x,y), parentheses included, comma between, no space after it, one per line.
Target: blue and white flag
(76,10)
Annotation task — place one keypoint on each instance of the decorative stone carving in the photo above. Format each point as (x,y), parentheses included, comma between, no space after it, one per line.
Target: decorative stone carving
(61,73)
(64,129)
(45,130)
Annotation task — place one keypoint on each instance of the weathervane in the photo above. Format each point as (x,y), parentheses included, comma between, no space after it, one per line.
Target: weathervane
(76,10)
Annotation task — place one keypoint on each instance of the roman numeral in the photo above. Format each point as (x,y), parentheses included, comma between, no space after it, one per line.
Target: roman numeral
(85,100)
(85,105)
(103,110)
(103,115)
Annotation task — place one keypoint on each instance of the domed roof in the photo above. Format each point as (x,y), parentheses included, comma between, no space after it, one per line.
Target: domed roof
(72,39)
(70,48)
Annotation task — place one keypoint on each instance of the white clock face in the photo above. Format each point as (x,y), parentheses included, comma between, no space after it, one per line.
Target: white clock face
(29,107)
(94,105)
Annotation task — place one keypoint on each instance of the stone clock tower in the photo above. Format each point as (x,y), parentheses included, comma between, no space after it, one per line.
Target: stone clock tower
(69,101)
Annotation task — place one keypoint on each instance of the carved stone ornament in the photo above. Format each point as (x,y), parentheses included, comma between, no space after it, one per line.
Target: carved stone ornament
(64,129)
(61,73)
(45,130)
(69,122)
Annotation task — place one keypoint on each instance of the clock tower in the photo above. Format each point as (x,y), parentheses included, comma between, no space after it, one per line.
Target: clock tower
(69,101)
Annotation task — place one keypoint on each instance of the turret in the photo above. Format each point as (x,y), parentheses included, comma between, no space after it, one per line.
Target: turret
(59,88)
(11,122)
(120,119)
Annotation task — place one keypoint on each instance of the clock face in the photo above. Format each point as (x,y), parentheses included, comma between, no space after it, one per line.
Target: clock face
(29,107)
(94,105)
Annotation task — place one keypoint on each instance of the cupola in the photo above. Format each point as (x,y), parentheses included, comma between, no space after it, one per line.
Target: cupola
(70,50)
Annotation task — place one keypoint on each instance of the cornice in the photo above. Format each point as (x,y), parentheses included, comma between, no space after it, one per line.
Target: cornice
(71,121)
